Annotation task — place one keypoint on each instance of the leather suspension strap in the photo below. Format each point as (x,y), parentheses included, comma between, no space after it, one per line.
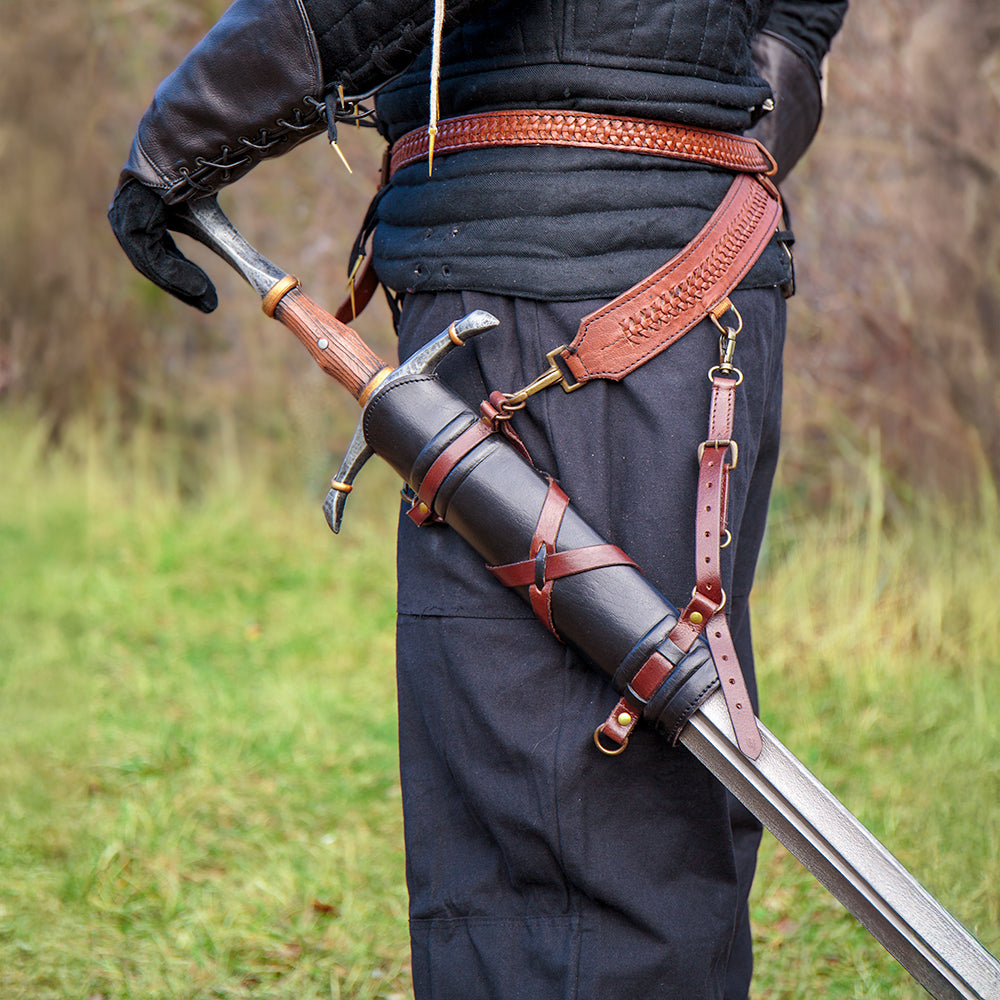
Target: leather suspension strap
(649,317)
(704,614)
(491,421)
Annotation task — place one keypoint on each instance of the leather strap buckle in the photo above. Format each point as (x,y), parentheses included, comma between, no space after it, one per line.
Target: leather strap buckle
(727,443)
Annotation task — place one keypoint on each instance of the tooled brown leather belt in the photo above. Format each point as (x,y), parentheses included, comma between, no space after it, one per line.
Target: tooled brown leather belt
(492,129)
(586,131)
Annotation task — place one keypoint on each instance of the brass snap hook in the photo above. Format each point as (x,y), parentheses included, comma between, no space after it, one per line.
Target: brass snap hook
(551,376)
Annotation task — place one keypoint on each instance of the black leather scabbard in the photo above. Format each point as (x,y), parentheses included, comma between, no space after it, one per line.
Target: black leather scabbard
(493,498)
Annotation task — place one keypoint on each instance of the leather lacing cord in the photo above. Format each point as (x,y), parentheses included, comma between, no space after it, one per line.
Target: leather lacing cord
(310,116)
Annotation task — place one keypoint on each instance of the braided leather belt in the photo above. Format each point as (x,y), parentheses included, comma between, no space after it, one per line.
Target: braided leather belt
(584,131)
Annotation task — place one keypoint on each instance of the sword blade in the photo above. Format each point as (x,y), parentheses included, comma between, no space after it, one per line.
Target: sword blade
(852,864)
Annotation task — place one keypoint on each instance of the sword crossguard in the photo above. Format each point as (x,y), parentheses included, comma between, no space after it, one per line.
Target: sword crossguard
(423,362)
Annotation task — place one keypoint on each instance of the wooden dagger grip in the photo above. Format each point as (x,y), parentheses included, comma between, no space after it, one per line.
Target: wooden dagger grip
(335,347)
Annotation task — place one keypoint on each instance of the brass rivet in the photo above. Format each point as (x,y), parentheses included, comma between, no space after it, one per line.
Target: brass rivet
(697,617)
(624,719)
(423,508)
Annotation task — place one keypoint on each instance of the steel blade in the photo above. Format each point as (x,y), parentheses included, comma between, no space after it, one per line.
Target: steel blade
(833,844)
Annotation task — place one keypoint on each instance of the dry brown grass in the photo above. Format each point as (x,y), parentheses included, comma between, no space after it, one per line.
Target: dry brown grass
(896,332)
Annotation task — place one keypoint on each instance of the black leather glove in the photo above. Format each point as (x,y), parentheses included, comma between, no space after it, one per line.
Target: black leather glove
(251,88)
(254,87)
(140,218)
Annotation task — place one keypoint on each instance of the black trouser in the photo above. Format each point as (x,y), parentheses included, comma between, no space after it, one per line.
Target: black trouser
(537,867)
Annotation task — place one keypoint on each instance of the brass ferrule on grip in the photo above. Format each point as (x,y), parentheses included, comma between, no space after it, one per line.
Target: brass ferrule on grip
(376,381)
(277,292)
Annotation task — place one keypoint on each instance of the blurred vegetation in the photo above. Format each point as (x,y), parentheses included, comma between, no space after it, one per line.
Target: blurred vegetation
(894,335)
(896,331)
(82,335)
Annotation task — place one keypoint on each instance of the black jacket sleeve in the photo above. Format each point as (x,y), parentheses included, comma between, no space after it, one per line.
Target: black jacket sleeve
(808,26)
(254,86)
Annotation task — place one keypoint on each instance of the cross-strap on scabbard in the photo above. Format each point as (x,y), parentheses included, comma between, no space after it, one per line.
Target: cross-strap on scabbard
(546,564)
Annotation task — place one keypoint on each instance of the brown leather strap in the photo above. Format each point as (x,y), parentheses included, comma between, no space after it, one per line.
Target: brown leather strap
(587,131)
(423,508)
(704,614)
(658,311)
(491,421)
(493,414)
(549,519)
(543,542)
(546,565)
(556,565)
(364,287)
(625,715)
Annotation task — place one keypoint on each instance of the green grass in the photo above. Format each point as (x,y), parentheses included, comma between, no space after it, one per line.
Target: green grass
(198,787)
(198,769)
(879,657)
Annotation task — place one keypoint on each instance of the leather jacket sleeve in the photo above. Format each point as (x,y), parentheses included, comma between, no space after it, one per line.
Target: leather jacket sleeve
(254,86)
(789,54)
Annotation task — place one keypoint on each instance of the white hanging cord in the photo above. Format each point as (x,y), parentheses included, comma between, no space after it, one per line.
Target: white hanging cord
(432,127)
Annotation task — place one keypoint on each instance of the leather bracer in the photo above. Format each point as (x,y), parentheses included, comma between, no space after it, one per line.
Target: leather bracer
(251,88)
(787,131)
(254,86)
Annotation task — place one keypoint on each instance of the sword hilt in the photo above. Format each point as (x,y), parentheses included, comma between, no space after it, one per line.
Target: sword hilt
(333,345)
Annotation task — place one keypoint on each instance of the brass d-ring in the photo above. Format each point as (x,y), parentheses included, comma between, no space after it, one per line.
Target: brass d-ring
(600,746)
(721,606)
(726,372)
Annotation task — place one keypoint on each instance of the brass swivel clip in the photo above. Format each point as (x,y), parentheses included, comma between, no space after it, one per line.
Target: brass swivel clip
(727,338)
(553,375)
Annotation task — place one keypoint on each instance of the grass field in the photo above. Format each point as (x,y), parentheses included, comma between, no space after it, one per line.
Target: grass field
(198,789)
